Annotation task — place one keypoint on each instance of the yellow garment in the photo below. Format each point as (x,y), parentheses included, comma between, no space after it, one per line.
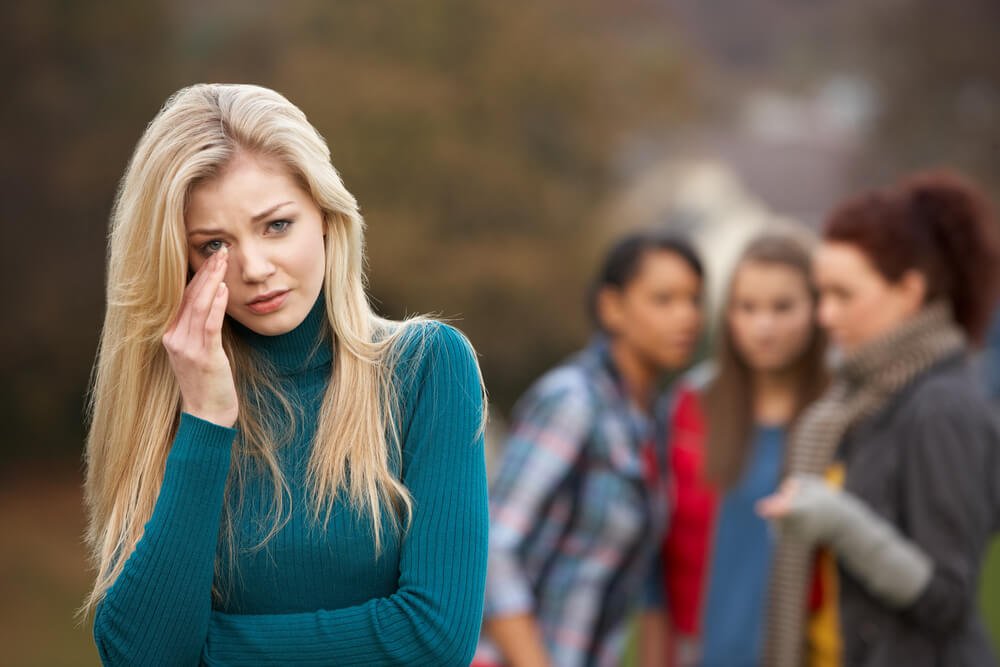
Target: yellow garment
(824,639)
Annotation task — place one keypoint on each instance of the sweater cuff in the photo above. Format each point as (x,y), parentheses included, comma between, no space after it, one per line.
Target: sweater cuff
(202,439)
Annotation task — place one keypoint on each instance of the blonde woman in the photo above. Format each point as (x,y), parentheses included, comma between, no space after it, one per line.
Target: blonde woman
(275,475)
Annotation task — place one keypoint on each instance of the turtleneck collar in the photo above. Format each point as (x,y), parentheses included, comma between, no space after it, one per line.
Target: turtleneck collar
(298,350)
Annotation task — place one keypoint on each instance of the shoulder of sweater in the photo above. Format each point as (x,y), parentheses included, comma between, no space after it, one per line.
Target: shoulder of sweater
(948,390)
(687,391)
(565,387)
(945,396)
(951,380)
(568,380)
(947,423)
(427,343)
(700,376)
(418,336)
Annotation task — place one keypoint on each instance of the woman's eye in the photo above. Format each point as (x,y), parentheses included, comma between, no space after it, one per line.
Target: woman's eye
(212,247)
(278,226)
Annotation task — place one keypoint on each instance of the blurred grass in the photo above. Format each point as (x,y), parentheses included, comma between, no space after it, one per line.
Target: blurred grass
(989,593)
(44,578)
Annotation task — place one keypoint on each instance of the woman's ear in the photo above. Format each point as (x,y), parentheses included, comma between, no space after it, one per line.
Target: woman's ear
(610,309)
(912,288)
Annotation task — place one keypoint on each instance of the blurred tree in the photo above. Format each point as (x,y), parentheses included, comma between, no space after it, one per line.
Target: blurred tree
(938,69)
(67,129)
(933,66)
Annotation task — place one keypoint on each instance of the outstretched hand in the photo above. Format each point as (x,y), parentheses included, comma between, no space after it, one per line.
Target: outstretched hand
(194,346)
(808,507)
(778,504)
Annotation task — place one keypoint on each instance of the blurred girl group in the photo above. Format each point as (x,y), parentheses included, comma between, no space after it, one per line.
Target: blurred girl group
(821,491)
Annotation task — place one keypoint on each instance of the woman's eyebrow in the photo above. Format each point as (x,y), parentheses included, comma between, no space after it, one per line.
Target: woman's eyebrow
(263,214)
(208,231)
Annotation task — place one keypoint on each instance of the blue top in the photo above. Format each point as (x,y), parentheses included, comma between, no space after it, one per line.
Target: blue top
(315,596)
(741,560)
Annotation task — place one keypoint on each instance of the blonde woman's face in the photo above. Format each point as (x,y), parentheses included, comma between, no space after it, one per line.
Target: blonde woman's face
(275,235)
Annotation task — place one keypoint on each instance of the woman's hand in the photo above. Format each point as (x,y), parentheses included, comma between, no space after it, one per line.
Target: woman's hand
(194,345)
(778,504)
(806,506)
(870,547)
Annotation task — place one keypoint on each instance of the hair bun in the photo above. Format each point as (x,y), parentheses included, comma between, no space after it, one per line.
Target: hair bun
(943,199)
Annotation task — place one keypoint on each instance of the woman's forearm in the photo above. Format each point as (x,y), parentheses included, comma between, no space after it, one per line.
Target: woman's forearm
(519,639)
(653,638)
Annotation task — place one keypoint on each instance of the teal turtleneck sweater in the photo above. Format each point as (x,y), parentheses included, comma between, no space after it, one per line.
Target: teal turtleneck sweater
(315,595)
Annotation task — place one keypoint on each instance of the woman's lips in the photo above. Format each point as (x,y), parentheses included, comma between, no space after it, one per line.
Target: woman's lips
(269,304)
(684,342)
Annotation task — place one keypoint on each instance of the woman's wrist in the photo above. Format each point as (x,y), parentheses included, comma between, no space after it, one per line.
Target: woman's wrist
(220,418)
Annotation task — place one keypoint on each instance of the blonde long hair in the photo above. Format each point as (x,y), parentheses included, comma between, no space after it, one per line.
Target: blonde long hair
(134,403)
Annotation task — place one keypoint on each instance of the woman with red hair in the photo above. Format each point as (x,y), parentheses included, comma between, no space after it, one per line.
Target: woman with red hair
(893,488)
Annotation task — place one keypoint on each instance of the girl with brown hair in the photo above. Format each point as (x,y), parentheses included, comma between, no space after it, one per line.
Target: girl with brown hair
(727,435)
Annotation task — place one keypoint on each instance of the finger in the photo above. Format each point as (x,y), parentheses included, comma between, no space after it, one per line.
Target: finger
(787,486)
(182,320)
(765,507)
(773,507)
(216,315)
(200,276)
(202,300)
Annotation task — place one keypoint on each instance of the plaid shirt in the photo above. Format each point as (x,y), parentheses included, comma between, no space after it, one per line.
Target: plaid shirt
(577,512)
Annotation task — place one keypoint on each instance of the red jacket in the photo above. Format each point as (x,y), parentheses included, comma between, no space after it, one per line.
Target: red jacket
(687,547)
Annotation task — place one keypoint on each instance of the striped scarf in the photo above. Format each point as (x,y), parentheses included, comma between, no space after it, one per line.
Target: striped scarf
(862,385)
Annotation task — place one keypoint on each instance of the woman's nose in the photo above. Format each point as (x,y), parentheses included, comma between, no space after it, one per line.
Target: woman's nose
(763,323)
(255,265)
(826,313)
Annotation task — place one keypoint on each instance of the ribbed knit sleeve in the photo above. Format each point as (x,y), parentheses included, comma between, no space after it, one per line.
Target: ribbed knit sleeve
(157,611)
(435,615)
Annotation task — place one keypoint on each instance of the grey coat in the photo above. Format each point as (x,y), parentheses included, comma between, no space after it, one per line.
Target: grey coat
(929,462)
